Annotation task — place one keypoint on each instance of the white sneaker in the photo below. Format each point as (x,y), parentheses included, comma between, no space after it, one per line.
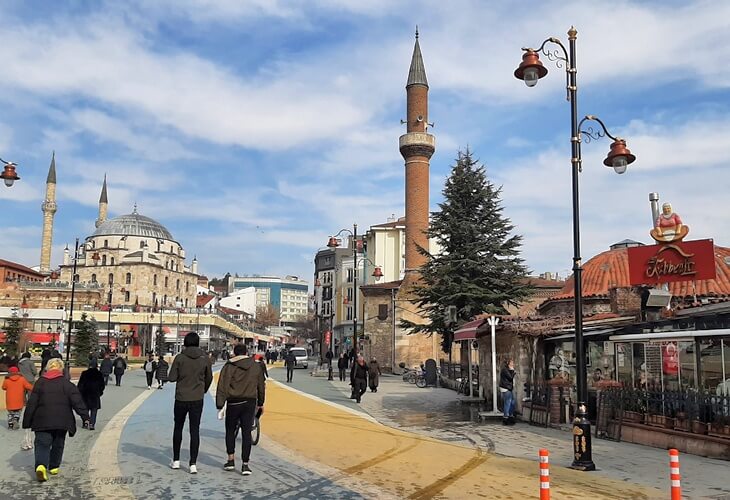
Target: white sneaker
(175,464)
(193,469)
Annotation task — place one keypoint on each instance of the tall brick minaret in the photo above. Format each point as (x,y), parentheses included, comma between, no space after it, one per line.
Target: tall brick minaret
(103,205)
(416,146)
(49,210)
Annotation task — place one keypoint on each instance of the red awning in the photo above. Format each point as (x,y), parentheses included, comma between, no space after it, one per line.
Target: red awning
(35,337)
(468,331)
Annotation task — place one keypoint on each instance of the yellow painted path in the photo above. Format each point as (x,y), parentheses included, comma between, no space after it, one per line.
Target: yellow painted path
(408,465)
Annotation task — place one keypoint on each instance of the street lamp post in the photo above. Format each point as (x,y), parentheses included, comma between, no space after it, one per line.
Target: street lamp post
(71,314)
(619,157)
(109,318)
(9,176)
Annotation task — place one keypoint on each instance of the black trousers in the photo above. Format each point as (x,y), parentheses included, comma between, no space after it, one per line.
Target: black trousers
(240,415)
(289,373)
(343,374)
(119,378)
(149,378)
(49,448)
(182,409)
(106,378)
(361,385)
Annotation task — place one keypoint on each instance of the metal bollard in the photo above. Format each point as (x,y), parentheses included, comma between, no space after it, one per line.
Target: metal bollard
(676,487)
(544,475)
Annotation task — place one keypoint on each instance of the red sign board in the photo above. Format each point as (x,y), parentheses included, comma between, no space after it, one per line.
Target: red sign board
(668,262)
(327,336)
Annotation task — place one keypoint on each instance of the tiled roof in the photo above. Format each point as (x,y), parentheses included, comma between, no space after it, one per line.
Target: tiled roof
(382,286)
(610,269)
(400,222)
(19,267)
(201,300)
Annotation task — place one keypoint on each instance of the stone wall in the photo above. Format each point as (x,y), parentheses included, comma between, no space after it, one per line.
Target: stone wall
(49,298)
(565,307)
(625,300)
(379,332)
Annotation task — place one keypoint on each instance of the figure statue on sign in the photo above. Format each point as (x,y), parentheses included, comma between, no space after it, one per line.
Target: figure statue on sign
(668,226)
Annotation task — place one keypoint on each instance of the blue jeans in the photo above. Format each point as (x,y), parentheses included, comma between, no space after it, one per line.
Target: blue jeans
(508,402)
(49,448)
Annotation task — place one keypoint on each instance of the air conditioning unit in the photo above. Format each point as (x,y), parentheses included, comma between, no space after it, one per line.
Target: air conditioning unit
(658,298)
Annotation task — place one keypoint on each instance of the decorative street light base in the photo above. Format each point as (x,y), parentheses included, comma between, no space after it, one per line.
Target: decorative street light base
(582,450)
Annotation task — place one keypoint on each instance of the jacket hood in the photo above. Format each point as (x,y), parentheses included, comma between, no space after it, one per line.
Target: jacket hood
(193,352)
(243,361)
(13,376)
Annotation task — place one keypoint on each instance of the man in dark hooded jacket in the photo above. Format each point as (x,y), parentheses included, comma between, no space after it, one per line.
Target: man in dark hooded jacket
(191,370)
(241,387)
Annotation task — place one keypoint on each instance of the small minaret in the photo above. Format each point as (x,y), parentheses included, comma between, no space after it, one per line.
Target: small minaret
(103,205)
(416,146)
(48,207)
(66,256)
(194,266)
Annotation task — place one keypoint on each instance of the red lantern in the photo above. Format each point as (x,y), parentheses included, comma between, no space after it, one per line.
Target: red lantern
(333,243)
(377,273)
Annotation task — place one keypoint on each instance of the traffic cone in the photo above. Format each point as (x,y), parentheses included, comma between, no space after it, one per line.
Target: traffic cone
(545,475)
(676,488)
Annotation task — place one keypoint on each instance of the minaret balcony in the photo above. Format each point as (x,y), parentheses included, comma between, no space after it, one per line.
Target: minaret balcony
(417,144)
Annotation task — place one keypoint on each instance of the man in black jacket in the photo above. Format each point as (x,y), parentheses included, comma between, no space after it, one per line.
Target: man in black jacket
(191,370)
(242,389)
(359,378)
(506,386)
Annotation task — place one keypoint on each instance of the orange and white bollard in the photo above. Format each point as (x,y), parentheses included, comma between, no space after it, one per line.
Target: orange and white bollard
(676,488)
(545,475)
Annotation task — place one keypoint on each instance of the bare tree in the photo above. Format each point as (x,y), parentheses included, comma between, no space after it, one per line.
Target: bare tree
(267,315)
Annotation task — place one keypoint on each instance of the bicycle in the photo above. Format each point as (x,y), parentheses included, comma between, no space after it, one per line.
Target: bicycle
(420,380)
(255,431)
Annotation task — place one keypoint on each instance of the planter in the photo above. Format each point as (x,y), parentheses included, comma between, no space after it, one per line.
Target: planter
(681,423)
(659,421)
(633,416)
(699,427)
(719,430)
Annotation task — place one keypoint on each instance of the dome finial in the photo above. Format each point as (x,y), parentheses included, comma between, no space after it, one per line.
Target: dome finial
(134,210)
(416,32)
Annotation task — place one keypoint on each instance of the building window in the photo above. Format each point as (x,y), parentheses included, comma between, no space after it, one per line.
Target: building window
(103,260)
(382,312)
(112,260)
(126,296)
(93,278)
(166,281)
(128,279)
(154,280)
(187,286)
(111,278)
(76,278)
(106,243)
(154,298)
(349,294)
(349,313)
(141,244)
(177,285)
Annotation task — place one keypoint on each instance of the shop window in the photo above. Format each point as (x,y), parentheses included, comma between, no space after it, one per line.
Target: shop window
(687,366)
(711,364)
(724,388)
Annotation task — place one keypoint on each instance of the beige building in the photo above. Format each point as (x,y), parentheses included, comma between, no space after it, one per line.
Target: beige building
(137,258)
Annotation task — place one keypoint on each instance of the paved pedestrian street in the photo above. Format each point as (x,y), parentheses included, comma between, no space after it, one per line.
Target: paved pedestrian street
(317,443)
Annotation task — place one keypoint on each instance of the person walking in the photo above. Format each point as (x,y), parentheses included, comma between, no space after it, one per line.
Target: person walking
(290,361)
(260,359)
(50,414)
(242,390)
(374,374)
(161,372)
(91,386)
(150,367)
(106,367)
(268,356)
(27,368)
(119,365)
(342,366)
(506,386)
(359,378)
(192,372)
(15,386)
(45,356)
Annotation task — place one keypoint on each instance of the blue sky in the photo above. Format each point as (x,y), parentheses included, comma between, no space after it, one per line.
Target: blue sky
(254,129)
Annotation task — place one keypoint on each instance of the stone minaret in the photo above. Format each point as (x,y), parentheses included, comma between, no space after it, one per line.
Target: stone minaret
(49,210)
(416,146)
(103,205)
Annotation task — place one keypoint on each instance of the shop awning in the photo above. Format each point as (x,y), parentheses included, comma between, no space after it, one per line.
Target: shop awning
(678,335)
(594,333)
(468,331)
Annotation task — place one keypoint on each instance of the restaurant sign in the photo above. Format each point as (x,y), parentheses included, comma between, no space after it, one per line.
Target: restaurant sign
(668,262)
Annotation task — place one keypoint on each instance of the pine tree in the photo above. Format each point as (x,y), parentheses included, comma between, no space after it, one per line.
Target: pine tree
(86,340)
(13,330)
(479,269)
(159,342)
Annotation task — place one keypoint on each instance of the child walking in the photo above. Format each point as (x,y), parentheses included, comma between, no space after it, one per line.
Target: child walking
(15,386)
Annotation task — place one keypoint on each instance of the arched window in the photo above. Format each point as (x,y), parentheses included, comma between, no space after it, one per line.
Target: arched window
(141,244)
(177,285)
(154,280)
(111,278)
(128,280)
(76,277)
(187,286)
(166,281)
(126,296)
(164,300)
(93,278)
(106,243)
(186,303)
(154,298)
(103,260)
(93,243)
(112,260)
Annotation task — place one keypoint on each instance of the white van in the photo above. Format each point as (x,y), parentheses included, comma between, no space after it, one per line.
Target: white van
(300,354)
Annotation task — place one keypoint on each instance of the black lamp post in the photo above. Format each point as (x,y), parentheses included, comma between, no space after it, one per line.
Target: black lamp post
(619,157)
(109,318)
(9,176)
(333,243)
(71,314)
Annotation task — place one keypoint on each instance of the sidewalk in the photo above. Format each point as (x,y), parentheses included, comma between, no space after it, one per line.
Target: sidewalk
(413,465)
(435,412)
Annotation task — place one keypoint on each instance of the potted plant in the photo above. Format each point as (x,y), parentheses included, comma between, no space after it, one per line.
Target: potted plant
(681,421)
(635,408)
(699,427)
(720,427)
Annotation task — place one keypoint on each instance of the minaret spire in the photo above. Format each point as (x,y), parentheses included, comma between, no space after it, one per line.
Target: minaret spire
(48,207)
(417,71)
(103,205)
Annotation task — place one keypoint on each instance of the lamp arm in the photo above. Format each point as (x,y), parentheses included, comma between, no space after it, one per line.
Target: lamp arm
(345,230)
(592,134)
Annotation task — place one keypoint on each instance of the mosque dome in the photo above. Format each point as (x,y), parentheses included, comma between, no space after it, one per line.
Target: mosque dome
(134,224)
